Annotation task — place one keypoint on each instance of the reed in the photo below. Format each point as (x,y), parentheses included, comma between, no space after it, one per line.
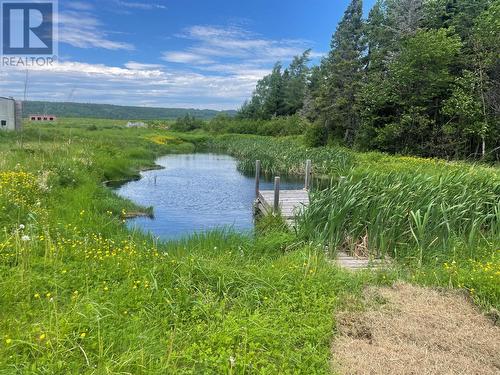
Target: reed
(401,212)
(285,156)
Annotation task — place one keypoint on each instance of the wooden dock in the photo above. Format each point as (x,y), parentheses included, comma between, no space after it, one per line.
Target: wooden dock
(289,203)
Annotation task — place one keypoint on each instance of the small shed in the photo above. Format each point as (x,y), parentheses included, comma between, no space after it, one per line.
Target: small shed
(11,114)
(131,124)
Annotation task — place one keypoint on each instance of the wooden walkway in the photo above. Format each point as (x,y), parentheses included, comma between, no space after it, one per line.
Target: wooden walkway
(356,263)
(289,203)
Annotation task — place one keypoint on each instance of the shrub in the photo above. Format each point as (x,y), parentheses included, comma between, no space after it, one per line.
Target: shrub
(315,135)
(187,123)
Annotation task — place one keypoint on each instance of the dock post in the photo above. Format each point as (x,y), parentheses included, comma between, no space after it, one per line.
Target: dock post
(276,194)
(308,175)
(257,178)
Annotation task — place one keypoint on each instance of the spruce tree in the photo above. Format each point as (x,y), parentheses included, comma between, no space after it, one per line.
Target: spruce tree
(274,103)
(343,71)
(295,83)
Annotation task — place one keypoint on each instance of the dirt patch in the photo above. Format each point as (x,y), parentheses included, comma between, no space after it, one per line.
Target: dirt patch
(413,330)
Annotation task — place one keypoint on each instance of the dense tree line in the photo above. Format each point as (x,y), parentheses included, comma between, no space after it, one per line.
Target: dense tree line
(416,76)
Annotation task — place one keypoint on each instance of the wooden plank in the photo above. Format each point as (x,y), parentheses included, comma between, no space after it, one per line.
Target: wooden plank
(276,198)
(307,184)
(257,178)
(300,192)
(284,198)
(291,203)
(288,202)
(354,264)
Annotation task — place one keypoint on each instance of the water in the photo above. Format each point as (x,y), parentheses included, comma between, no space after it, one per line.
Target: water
(196,193)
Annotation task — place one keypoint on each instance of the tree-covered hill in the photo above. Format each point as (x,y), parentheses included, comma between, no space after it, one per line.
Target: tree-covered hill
(107,111)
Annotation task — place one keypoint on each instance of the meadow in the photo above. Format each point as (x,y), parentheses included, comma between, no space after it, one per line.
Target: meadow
(80,293)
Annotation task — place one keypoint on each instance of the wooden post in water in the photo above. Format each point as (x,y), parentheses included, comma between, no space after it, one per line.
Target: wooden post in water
(257,178)
(308,175)
(276,194)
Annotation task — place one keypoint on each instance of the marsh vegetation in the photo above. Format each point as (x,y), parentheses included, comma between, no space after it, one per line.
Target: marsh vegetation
(81,293)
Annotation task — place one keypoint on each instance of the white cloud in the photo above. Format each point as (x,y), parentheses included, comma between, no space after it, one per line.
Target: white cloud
(218,69)
(139,5)
(79,5)
(134,65)
(233,54)
(210,42)
(132,84)
(81,29)
(249,71)
(185,57)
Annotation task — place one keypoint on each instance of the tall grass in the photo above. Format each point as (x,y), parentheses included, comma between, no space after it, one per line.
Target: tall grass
(283,155)
(403,212)
(404,206)
(439,220)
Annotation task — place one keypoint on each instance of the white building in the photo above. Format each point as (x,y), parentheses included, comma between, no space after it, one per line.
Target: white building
(10,114)
(136,125)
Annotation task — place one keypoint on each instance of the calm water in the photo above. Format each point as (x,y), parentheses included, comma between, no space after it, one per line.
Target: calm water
(195,193)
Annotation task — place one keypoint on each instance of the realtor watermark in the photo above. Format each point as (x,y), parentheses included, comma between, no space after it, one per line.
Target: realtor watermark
(28,33)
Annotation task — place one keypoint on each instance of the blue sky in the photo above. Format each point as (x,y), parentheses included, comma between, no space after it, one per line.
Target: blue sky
(166,53)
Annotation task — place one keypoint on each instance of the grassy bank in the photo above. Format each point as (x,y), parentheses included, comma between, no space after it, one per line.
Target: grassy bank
(79,293)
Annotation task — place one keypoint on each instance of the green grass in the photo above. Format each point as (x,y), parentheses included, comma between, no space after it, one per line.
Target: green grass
(80,293)
(427,214)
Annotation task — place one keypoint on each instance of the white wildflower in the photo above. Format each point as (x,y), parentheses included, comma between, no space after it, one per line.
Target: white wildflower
(25,238)
(21,226)
(232,361)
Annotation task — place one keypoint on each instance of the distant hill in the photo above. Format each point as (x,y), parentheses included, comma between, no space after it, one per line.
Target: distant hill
(117,112)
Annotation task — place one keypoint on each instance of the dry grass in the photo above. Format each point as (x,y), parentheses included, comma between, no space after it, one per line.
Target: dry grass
(413,330)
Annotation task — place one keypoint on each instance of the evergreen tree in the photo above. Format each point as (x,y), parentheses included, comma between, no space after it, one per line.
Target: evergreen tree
(309,108)
(379,38)
(405,16)
(343,72)
(295,83)
(279,94)
(274,102)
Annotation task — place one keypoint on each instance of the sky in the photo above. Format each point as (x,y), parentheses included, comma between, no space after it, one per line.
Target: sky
(172,53)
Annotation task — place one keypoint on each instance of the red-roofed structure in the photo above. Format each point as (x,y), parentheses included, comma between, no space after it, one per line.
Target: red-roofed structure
(46,118)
